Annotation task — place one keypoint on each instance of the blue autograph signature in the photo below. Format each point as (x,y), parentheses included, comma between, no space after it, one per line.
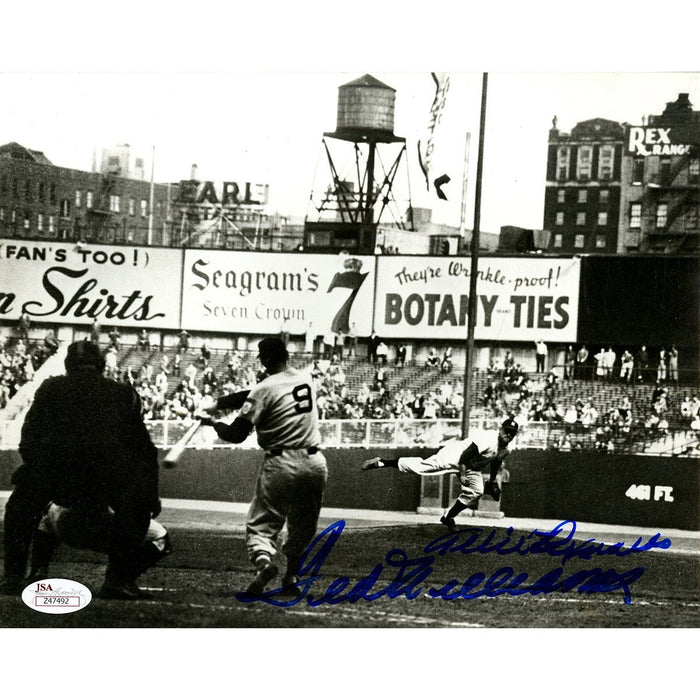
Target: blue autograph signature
(410,573)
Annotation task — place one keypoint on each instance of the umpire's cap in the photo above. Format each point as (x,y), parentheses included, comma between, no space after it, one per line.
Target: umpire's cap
(510,427)
(272,350)
(82,355)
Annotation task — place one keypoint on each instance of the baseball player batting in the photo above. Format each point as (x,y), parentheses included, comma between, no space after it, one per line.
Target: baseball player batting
(291,482)
(481,450)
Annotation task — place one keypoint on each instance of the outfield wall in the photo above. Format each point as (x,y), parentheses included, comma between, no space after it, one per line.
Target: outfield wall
(655,492)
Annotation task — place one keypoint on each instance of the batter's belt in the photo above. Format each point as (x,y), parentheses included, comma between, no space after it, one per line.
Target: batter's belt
(277,451)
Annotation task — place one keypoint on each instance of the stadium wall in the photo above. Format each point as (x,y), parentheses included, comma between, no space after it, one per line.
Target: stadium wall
(587,487)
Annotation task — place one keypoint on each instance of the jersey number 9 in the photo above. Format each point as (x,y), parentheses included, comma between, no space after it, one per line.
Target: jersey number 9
(302,396)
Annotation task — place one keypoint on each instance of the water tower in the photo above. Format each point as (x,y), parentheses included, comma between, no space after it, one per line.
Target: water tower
(345,212)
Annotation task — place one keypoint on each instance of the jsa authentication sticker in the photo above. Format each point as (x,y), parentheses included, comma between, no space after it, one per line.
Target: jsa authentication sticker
(56,596)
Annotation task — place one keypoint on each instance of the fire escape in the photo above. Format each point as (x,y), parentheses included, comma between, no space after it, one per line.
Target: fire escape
(671,234)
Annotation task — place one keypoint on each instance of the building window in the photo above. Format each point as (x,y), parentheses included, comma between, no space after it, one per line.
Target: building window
(2,213)
(635,216)
(132,206)
(692,216)
(580,218)
(665,172)
(606,158)
(604,196)
(638,171)
(40,222)
(42,192)
(602,218)
(601,241)
(26,222)
(89,199)
(144,208)
(561,196)
(694,171)
(114,203)
(584,162)
(64,208)
(558,240)
(52,193)
(579,240)
(27,191)
(563,163)
(52,224)
(661,215)
(559,221)
(582,196)
(78,198)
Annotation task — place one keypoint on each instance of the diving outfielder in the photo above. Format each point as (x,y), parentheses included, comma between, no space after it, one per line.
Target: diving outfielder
(482,450)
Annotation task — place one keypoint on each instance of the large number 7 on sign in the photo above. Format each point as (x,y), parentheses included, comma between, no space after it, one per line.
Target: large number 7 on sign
(302,396)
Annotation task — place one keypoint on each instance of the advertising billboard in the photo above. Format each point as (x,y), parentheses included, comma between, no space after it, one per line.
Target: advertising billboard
(519,299)
(236,292)
(61,282)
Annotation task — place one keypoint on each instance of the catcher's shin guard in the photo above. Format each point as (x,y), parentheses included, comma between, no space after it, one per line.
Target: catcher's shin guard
(151,552)
(43,547)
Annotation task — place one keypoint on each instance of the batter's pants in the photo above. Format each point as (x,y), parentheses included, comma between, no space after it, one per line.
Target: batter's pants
(289,489)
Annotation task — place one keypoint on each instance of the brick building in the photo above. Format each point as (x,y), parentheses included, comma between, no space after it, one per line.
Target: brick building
(619,188)
(41,200)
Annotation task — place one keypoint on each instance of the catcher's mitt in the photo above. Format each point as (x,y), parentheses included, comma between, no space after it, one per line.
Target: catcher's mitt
(493,489)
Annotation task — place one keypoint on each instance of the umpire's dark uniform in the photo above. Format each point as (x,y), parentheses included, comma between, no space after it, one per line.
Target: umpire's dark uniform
(85,446)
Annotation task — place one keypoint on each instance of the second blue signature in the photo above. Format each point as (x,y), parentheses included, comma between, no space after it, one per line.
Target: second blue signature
(411,574)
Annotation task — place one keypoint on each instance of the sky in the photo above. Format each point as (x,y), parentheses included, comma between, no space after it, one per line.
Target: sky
(247,93)
(268,126)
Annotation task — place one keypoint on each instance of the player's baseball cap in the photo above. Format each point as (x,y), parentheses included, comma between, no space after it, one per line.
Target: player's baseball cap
(510,427)
(272,349)
(84,354)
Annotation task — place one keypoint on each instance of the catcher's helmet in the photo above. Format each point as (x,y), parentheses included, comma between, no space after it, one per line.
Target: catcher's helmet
(272,351)
(510,427)
(84,354)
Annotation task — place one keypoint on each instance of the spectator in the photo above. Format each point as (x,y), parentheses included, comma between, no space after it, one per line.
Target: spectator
(144,341)
(111,367)
(183,343)
(582,363)
(379,378)
(114,337)
(328,344)
(433,359)
(309,338)
(540,355)
(627,366)
(661,367)
(372,343)
(205,355)
(569,362)
(23,326)
(352,340)
(95,331)
(284,332)
(446,364)
(177,362)
(339,347)
(673,365)
(382,353)
(600,368)
(642,364)
(50,342)
(609,363)
(191,375)
(508,361)
(400,359)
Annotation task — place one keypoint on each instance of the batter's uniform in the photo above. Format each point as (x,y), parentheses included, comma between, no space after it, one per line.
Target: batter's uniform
(290,484)
(447,461)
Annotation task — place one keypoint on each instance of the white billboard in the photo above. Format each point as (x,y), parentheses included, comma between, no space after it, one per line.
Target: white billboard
(241,292)
(59,282)
(519,299)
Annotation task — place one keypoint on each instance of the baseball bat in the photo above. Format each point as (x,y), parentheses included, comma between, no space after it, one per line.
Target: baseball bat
(175,452)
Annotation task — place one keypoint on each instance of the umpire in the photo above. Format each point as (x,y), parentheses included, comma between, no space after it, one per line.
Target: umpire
(86,453)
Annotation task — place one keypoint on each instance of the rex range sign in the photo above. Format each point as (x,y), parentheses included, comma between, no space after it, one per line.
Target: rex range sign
(518,298)
(662,141)
(240,292)
(60,282)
